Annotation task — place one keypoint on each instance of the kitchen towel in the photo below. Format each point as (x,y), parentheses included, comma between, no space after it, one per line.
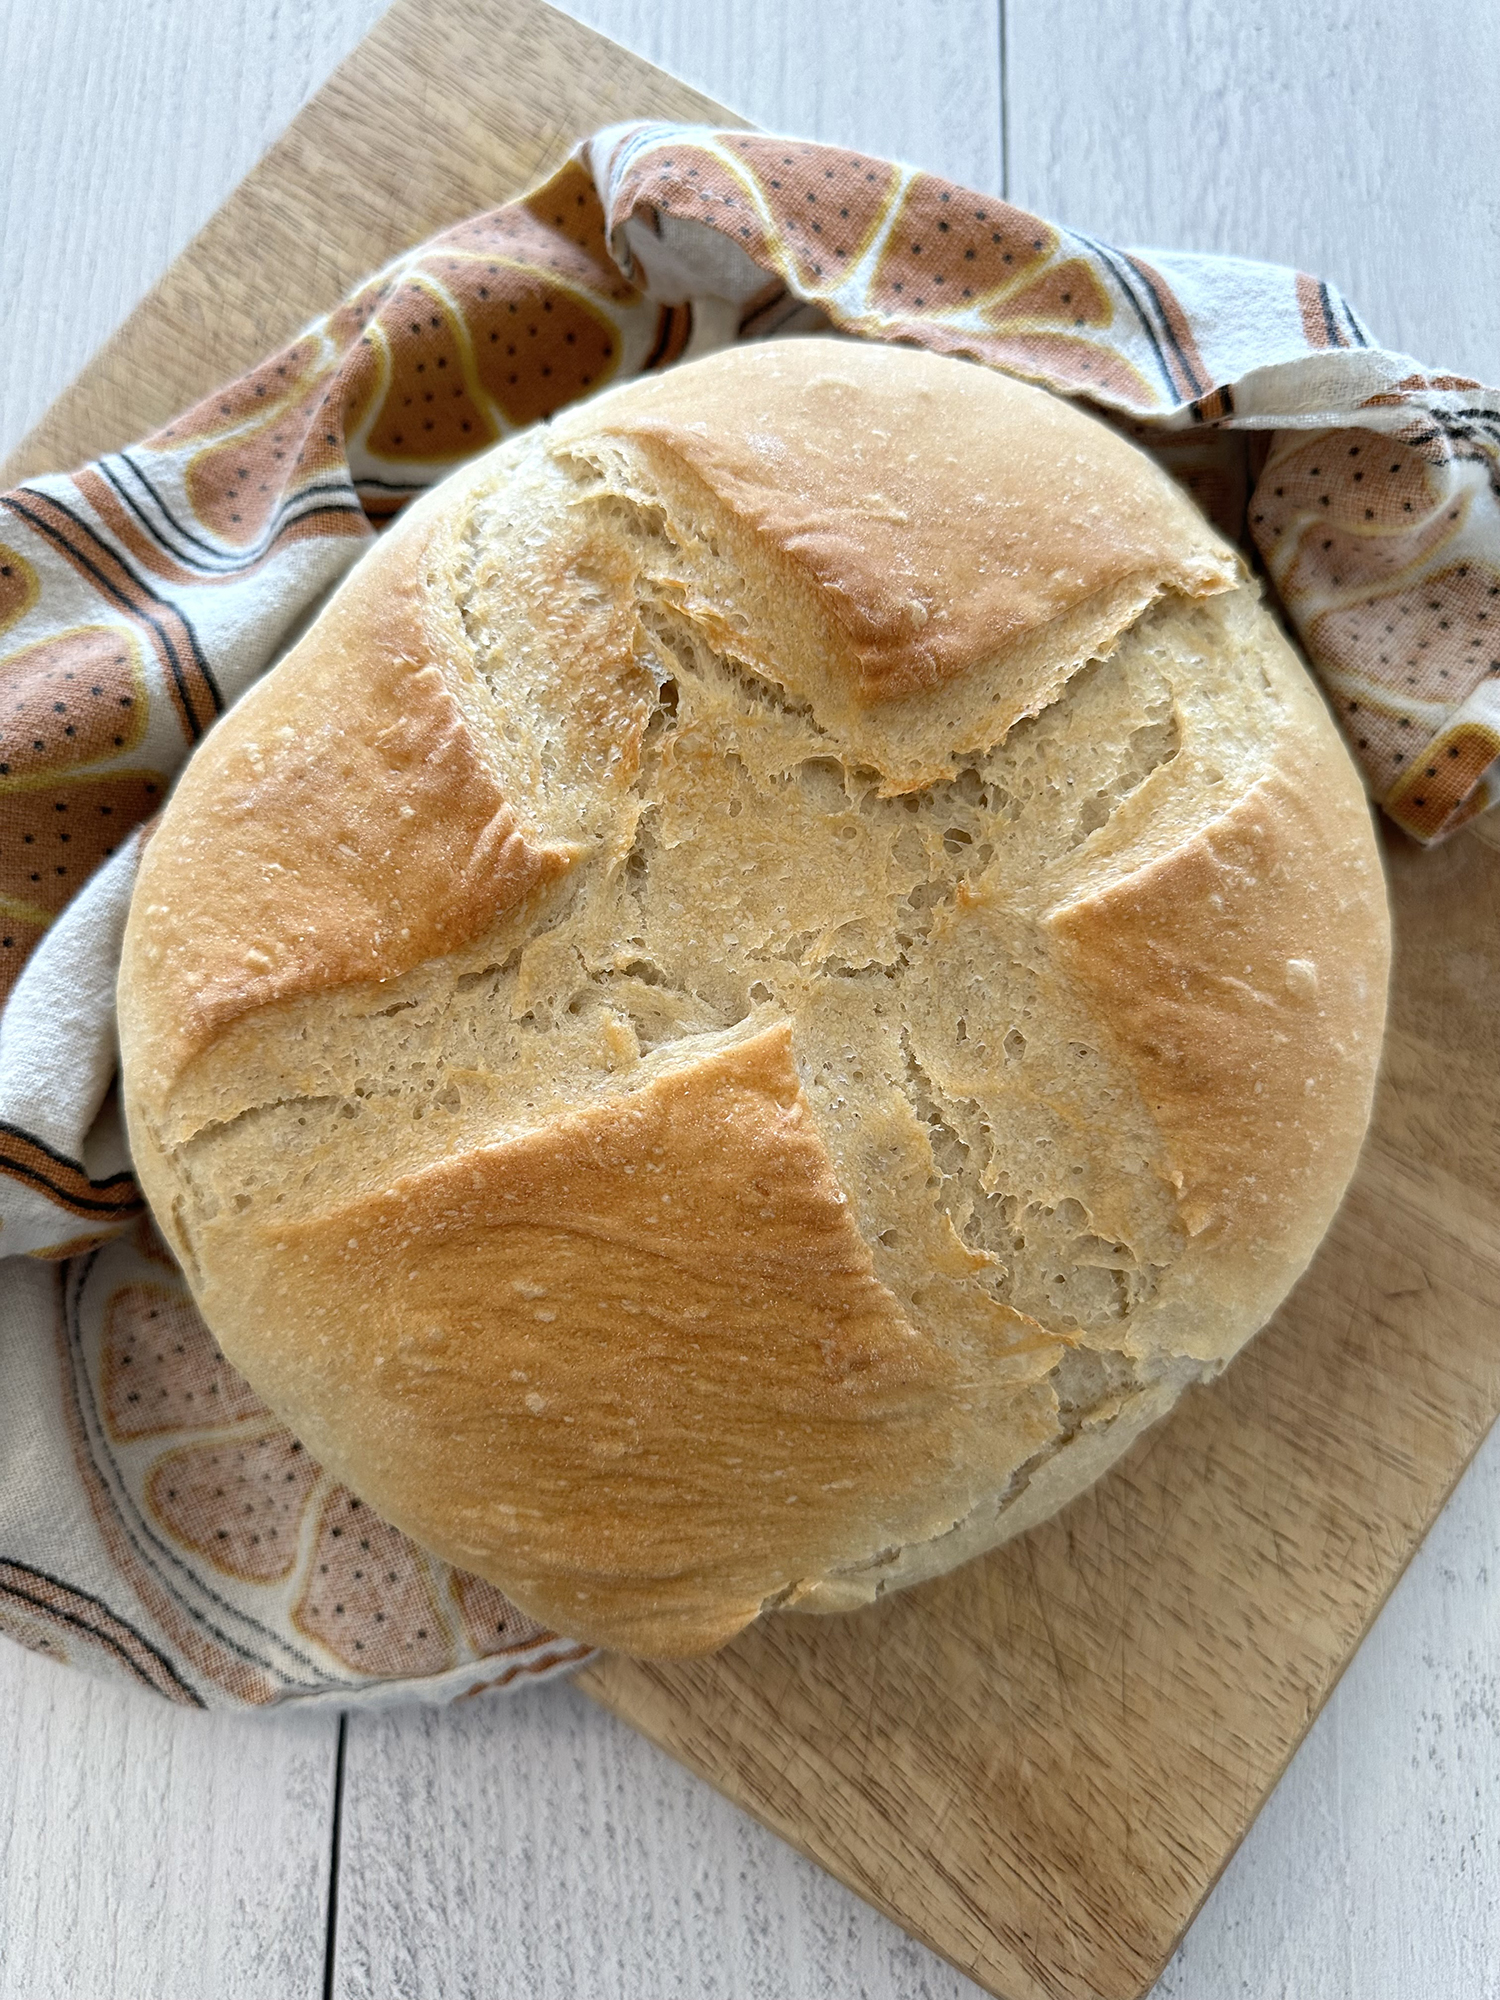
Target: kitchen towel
(156,1521)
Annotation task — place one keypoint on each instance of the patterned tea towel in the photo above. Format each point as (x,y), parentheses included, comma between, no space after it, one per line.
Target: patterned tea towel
(156,1522)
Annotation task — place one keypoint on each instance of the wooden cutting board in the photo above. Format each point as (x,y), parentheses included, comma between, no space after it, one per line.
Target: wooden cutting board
(1039,1765)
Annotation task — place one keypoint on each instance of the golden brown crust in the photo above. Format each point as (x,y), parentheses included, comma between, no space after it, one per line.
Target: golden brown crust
(930,565)
(341,824)
(1242,978)
(635,1363)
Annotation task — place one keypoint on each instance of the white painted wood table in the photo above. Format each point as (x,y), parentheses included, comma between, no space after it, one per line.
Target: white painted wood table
(533,1846)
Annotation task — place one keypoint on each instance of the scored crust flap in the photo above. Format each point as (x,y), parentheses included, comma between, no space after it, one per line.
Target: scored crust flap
(813,462)
(341,824)
(1241,977)
(635,1364)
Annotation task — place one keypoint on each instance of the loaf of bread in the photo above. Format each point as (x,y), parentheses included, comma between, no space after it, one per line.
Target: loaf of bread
(790,959)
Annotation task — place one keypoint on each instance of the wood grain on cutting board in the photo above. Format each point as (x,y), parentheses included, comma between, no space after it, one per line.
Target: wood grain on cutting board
(1038,1765)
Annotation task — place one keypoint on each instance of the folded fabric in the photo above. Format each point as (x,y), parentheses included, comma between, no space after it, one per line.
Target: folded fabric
(156,1522)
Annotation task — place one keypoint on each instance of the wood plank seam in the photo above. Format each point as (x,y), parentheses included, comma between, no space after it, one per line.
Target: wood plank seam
(335,1859)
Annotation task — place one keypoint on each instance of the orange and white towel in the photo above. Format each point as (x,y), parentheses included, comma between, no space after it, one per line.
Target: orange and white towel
(156,1522)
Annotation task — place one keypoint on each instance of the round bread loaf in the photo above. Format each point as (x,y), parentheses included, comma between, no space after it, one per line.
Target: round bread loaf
(790,958)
